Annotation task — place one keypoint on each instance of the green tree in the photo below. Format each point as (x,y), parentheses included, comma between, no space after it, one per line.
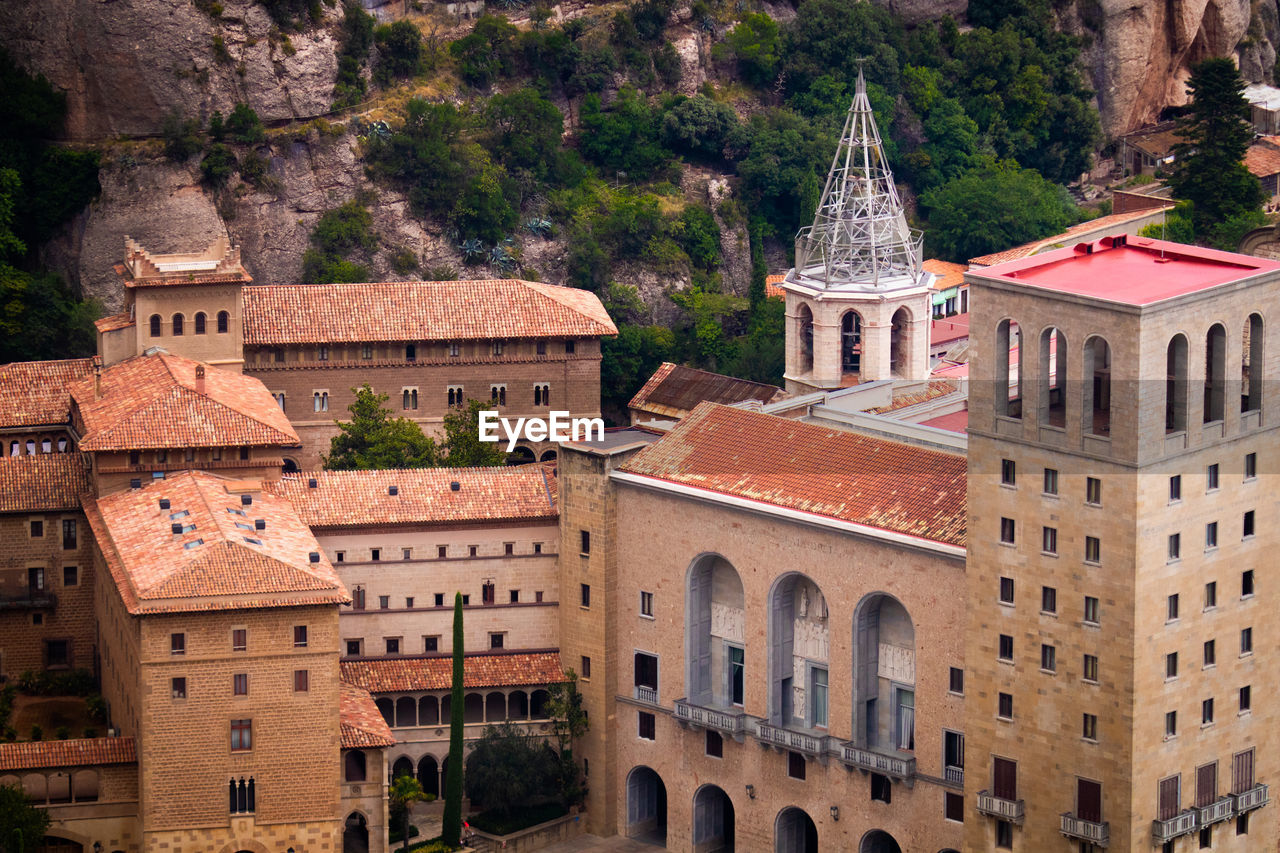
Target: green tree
(20,820)
(462,446)
(784,156)
(699,127)
(568,723)
(451,826)
(404,791)
(488,52)
(629,359)
(340,233)
(522,130)
(992,209)
(218,165)
(399,51)
(244,125)
(357,38)
(622,138)
(375,439)
(182,137)
(754,42)
(1208,168)
(507,767)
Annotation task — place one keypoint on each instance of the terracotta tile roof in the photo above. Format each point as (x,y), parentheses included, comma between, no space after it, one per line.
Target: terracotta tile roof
(189,278)
(1074,234)
(842,475)
(675,389)
(34,393)
(153,401)
(115,321)
(424,495)
(773,286)
(935,389)
(220,560)
(362,724)
(44,482)
(1262,160)
(949,275)
(396,675)
(80,752)
(420,311)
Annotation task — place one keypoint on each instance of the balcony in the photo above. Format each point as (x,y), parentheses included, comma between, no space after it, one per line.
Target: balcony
(954,775)
(688,714)
(815,745)
(1254,798)
(1218,810)
(1179,824)
(1014,810)
(878,762)
(646,694)
(1085,830)
(40,600)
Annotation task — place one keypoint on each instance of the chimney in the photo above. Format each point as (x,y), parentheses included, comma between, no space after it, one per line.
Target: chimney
(199,378)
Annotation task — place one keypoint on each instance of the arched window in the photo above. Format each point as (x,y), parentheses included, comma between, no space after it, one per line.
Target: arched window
(473,708)
(495,708)
(428,711)
(355,766)
(900,344)
(1008,378)
(199,322)
(1053,377)
(884,659)
(84,786)
(646,806)
(798,671)
(715,671)
(1215,373)
(1175,394)
(851,342)
(320,401)
(155,325)
(1251,365)
(537,705)
(804,324)
(406,711)
(712,819)
(518,705)
(1097,387)
(224,322)
(429,775)
(794,832)
(177,324)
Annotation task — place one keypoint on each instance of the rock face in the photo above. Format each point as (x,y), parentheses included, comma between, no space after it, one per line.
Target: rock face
(126,63)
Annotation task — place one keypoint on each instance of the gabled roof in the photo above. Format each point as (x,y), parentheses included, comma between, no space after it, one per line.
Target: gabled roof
(220,560)
(423,495)
(155,401)
(43,482)
(949,275)
(79,752)
(1262,160)
(34,393)
(420,311)
(842,475)
(394,675)
(674,389)
(114,322)
(362,724)
(1071,236)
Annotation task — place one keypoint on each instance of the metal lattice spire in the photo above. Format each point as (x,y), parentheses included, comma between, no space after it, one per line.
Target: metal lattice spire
(859,239)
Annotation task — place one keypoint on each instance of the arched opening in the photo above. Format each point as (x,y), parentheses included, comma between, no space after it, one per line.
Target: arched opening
(1008,374)
(429,775)
(794,832)
(290,466)
(84,786)
(538,705)
(646,807)
(1097,387)
(355,834)
(712,821)
(884,682)
(518,705)
(445,716)
(224,322)
(547,456)
(200,321)
(406,711)
(804,330)
(799,645)
(473,708)
(154,324)
(520,456)
(1053,377)
(1251,365)
(428,711)
(878,841)
(60,788)
(36,787)
(715,633)
(177,324)
(1175,393)
(387,708)
(495,708)
(851,342)
(355,766)
(1215,373)
(900,344)
(54,844)
(402,767)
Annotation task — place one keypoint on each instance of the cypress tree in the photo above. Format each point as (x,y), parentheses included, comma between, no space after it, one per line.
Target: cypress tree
(451,831)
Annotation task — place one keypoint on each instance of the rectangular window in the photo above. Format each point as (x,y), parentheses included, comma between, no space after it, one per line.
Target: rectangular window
(240,684)
(881,788)
(384,602)
(737,674)
(69,532)
(1091,610)
(1211,477)
(647,725)
(1173,607)
(956,682)
(495,640)
(1004,706)
(1206,784)
(570,346)
(1004,835)
(1048,599)
(1006,648)
(541,348)
(439,599)
(1050,481)
(179,688)
(795,765)
(1175,488)
(1171,665)
(1048,658)
(498,347)
(1171,724)
(953,807)
(1242,772)
(1248,525)
(818,697)
(1210,594)
(341,556)
(1206,712)
(241,734)
(1246,699)
(1093,491)
(1090,667)
(357,598)
(442,551)
(514,596)
(1211,535)
(1206,838)
(299,636)
(239,640)
(301,680)
(508,548)
(1092,549)
(715,744)
(1246,583)
(410,352)
(472,550)
(1006,590)
(322,353)
(1175,546)
(392,645)
(431,644)
(1246,641)
(586,595)
(37,529)
(1006,531)
(178,644)
(366,352)
(585,540)
(1210,653)
(1250,466)
(1089,730)
(646,603)
(1049,540)
(537,547)
(1008,472)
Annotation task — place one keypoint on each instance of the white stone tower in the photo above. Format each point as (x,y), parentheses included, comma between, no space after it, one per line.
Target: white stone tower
(858,298)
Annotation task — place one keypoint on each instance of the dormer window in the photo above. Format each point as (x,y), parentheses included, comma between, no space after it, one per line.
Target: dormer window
(155,325)
(200,318)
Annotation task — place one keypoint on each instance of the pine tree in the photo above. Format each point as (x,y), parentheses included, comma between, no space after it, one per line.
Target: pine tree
(451,830)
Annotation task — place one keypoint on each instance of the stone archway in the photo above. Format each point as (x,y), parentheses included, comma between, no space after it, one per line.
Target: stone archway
(355,834)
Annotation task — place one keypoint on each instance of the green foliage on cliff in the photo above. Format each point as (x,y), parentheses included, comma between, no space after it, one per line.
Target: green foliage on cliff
(342,232)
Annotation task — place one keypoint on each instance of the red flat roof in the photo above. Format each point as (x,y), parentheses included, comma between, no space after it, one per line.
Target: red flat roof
(1141,272)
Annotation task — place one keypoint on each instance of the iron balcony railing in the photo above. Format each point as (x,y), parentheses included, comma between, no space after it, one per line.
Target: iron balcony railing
(989,804)
(889,765)
(1094,832)
(790,739)
(647,694)
(1254,798)
(687,712)
(34,601)
(1219,810)
(1170,828)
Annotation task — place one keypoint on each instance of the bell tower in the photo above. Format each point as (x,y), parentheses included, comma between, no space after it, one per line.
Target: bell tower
(857,298)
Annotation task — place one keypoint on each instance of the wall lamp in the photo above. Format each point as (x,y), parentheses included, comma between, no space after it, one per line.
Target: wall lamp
(835,812)
(751,791)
